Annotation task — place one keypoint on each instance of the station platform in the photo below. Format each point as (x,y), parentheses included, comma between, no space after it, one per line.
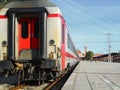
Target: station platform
(94,76)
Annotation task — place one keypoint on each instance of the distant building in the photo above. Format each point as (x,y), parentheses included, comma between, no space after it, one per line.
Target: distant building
(97,55)
(115,57)
(80,54)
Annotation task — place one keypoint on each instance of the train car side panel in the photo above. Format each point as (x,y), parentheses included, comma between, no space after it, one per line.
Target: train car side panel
(54,38)
(3,35)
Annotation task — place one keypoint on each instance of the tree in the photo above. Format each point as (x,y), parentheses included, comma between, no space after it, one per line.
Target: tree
(89,55)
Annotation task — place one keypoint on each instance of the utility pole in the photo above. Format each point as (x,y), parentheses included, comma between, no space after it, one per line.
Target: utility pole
(109,46)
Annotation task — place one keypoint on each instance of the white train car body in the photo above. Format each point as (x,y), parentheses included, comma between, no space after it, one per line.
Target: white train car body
(34,32)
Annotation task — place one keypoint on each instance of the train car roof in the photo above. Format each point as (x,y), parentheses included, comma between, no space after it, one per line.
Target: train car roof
(30,3)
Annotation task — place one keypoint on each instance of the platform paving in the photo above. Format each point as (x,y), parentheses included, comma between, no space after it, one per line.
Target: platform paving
(94,76)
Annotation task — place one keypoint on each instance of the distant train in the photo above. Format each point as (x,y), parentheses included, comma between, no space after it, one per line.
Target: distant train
(35,40)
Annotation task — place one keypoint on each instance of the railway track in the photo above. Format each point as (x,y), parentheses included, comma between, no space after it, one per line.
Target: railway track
(59,84)
(45,86)
(52,85)
(18,87)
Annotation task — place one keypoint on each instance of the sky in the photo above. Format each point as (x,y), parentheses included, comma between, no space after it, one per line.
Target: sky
(89,22)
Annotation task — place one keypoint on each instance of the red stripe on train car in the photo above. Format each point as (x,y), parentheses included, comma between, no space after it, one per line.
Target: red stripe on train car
(70,55)
(3,17)
(57,15)
(54,15)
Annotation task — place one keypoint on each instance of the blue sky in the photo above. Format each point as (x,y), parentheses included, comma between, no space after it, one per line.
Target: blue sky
(90,20)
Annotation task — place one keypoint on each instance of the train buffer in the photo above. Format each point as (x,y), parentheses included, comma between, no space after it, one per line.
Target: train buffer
(94,76)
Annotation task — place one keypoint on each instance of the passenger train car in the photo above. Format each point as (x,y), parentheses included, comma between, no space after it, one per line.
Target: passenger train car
(34,40)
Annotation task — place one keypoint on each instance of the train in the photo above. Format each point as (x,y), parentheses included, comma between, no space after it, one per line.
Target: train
(35,41)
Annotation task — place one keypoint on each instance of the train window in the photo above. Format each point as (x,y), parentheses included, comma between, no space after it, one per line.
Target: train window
(24,29)
(36,29)
(63,34)
(70,44)
(68,40)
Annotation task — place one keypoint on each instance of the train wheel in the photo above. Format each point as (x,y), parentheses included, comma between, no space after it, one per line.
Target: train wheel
(57,72)
(19,77)
(23,75)
(58,69)
(68,67)
(39,77)
(54,74)
(44,76)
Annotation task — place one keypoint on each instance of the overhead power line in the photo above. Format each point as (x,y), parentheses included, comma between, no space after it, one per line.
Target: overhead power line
(96,42)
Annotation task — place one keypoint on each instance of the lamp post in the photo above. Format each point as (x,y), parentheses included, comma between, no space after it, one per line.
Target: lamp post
(109,46)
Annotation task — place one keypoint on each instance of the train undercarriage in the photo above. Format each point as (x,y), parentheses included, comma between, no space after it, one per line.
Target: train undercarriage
(27,71)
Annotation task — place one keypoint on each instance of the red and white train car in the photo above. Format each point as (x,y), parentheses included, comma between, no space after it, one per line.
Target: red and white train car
(34,38)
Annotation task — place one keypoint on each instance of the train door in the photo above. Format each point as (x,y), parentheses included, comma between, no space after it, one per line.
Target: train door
(28,33)
(35,33)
